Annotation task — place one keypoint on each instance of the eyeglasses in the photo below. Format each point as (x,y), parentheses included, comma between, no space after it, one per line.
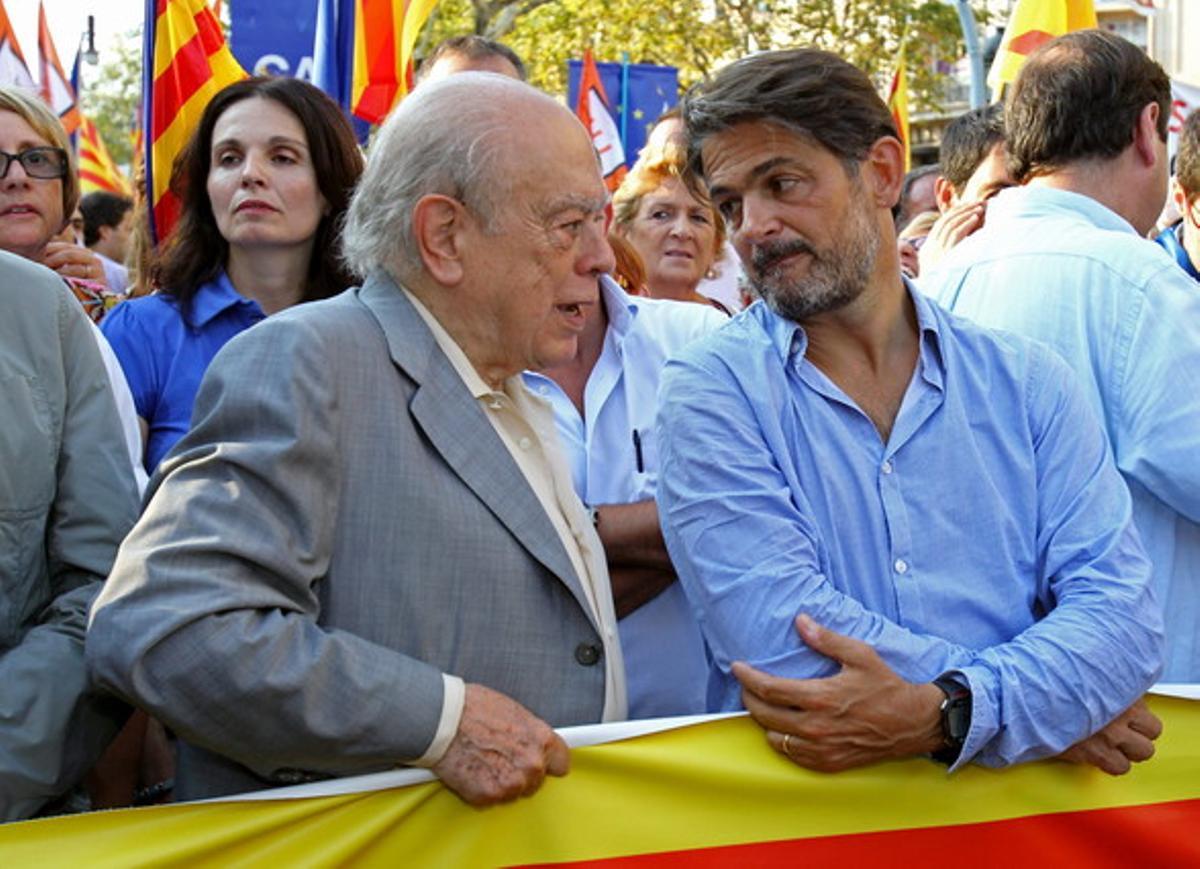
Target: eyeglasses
(37,162)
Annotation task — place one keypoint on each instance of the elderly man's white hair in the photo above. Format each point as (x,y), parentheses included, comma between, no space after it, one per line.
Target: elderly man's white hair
(447,137)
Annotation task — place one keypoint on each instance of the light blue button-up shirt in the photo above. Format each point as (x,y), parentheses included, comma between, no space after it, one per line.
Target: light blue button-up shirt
(665,666)
(1062,268)
(989,537)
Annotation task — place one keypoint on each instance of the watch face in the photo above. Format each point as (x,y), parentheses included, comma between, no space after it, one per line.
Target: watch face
(957,719)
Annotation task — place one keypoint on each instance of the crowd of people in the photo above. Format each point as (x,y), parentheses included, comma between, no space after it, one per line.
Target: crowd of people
(447,448)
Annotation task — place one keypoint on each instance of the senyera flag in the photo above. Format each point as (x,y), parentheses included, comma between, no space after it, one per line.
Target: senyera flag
(1033,23)
(710,795)
(385,32)
(14,71)
(97,169)
(897,102)
(186,63)
(55,88)
(593,109)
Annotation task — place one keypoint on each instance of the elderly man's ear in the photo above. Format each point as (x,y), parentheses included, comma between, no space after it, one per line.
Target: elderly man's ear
(439,227)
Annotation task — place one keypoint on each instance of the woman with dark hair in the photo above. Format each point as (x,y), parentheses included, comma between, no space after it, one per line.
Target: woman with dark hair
(263,183)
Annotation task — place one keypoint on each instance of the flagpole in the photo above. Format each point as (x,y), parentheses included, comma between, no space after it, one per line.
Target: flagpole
(625,105)
(974,56)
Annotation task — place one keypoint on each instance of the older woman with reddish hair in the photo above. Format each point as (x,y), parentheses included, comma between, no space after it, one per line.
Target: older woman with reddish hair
(671,224)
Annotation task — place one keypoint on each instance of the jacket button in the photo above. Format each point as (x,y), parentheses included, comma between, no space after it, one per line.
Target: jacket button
(587,654)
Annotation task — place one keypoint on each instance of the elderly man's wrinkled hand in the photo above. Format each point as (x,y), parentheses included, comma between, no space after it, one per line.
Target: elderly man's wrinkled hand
(1124,741)
(501,750)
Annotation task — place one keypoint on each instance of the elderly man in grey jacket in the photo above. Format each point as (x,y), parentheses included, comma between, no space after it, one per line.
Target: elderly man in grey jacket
(367,551)
(67,497)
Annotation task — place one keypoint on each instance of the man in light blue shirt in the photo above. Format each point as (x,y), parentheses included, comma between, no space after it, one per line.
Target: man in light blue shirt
(604,403)
(930,503)
(1064,260)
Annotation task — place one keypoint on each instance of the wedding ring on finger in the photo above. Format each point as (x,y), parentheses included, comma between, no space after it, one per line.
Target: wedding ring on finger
(787,745)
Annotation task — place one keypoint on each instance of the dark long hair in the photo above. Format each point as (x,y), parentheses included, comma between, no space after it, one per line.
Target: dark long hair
(195,252)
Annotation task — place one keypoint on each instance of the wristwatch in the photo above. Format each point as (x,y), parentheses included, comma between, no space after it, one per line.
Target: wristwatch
(956,718)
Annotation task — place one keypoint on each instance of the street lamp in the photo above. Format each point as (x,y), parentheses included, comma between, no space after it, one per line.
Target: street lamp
(90,55)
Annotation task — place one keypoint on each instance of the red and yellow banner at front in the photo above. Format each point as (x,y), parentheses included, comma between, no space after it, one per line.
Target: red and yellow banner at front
(712,794)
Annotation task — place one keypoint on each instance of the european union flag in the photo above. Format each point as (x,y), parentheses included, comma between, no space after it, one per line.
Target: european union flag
(640,92)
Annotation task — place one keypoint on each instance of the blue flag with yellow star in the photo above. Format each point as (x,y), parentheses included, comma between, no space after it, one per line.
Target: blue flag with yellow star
(640,92)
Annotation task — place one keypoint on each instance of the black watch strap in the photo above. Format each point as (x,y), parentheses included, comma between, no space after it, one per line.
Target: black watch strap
(956,718)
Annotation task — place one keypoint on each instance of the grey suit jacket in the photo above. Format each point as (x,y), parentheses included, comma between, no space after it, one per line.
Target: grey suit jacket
(341,525)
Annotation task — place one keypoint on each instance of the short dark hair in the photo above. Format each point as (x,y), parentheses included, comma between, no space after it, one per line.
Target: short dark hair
(101,208)
(472,47)
(195,252)
(1187,162)
(966,142)
(1078,97)
(901,211)
(815,93)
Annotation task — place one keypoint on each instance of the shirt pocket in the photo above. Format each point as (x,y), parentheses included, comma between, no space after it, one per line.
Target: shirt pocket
(645,476)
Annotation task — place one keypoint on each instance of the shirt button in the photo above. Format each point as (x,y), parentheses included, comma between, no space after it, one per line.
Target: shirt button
(901,565)
(886,467)
(525,443)
(544,389)
(587,654)
(494,404)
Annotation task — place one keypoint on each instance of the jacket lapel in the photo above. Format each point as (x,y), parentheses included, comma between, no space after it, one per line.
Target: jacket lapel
(458,429)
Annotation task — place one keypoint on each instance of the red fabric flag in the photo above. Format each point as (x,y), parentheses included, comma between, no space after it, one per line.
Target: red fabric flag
(186,62)
(55,86)
(14,71)
(593,110)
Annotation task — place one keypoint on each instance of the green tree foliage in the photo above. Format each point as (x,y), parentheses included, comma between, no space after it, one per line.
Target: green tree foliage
(699,38)
(111,93)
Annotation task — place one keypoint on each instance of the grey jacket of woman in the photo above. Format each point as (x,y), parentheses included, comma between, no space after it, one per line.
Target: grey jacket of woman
(67,498)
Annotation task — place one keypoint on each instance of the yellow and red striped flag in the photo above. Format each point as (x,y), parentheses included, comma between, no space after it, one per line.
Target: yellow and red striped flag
(55,87)
(187,62)
(385,32)
(593,110)
(97,169)
(1032,24)
(711,795)
(897,103)
(14,71)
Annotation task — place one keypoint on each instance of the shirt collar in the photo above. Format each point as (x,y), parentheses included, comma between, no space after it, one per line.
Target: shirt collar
(1037,201)
(791,342)
(214,297)
(620,307)
(456,356)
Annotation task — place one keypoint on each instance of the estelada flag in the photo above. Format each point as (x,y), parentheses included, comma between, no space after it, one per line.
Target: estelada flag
(14,71)
(1032,24)
(897,102)
(593,110)
(385,32)
(186,62)
(97,169)
(55,87)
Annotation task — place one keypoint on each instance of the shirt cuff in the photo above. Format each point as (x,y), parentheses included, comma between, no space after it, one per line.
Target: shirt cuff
(984,723)
(454,695)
